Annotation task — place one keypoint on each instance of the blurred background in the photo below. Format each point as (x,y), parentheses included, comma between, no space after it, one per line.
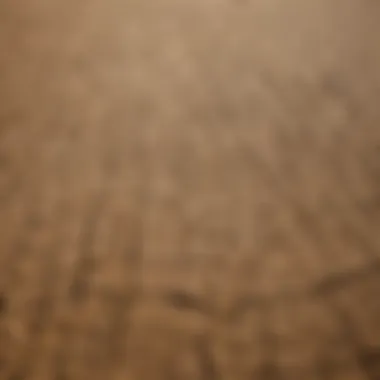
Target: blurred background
(189,189)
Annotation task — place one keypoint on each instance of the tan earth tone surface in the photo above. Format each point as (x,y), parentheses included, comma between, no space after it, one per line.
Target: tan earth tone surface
(189,190)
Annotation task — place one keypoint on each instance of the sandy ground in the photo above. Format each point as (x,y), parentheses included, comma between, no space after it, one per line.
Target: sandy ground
(189,190)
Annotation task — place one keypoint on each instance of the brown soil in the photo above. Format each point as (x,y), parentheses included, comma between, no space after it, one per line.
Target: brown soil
(189,190)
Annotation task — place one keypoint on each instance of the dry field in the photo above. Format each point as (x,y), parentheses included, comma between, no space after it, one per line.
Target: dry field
(189,190)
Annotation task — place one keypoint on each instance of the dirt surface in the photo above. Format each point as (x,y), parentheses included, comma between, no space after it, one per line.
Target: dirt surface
(189,190)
